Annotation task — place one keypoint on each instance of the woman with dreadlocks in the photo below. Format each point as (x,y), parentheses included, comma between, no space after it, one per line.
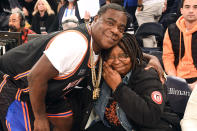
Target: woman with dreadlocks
(131,97)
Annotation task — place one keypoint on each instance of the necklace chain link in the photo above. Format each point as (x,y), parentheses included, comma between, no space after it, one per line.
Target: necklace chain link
(95,80)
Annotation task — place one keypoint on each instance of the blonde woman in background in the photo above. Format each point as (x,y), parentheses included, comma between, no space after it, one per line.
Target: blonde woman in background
(70,9)
(43,15)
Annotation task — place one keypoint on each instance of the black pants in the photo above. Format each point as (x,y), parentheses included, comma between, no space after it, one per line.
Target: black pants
(99,126)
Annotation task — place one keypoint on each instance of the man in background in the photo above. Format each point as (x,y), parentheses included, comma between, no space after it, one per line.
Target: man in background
(180,54)
(17,24)
(149,11)
(179,45)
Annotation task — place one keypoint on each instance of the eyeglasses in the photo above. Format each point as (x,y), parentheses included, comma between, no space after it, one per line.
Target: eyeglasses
(121,57)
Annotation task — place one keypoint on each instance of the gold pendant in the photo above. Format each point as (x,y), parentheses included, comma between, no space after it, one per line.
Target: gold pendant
(96,93)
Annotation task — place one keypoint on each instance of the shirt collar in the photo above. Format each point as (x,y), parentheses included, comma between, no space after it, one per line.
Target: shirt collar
(125,79)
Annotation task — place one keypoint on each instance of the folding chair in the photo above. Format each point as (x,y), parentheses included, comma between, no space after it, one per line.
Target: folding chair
(147,29)
(150,28)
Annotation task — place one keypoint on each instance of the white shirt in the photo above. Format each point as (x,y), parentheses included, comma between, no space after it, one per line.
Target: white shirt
(66,51)
(68,13)
(150,2)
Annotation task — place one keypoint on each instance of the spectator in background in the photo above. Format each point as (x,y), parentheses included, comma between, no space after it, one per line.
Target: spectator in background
(43,15)
(17,24)
(70,8)
(4,16)
(5,10)
(70,22)
(173,6)
(180,51)
(131,6)
(171,14)
(60,4)
(4,4)
(179,45)
(149,11)
(27,7)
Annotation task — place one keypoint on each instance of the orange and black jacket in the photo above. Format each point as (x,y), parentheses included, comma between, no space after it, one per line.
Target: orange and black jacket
(180,50)
(174,34)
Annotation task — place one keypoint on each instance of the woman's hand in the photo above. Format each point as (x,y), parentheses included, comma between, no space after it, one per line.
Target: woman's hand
(112,77)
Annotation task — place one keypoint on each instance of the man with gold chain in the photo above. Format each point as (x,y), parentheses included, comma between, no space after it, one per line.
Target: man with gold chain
(42,75)
(47,69)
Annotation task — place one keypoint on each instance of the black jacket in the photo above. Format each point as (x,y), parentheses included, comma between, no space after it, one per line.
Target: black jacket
(138,100)
(135,99)
(47,20)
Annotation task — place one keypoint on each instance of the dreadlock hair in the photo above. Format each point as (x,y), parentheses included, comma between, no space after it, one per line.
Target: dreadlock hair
(129,45)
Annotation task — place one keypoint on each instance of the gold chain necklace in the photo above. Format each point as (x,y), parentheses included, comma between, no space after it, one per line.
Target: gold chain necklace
(95,81)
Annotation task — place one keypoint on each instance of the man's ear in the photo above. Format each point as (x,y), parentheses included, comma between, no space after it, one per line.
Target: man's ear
(181,10)
(96,18)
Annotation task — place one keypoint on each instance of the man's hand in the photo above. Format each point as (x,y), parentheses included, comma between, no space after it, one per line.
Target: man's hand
(193,85)
(26,13)
(154,62)
(41,124)
(112,77)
